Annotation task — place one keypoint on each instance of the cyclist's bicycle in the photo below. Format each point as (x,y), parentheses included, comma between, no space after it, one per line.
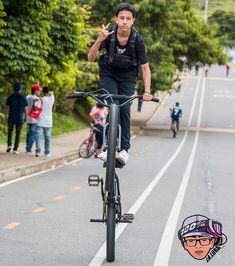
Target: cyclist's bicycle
(110,191)
(89,145)
(174,128)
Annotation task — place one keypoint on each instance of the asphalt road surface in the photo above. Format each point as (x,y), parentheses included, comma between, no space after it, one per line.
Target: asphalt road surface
(44,219)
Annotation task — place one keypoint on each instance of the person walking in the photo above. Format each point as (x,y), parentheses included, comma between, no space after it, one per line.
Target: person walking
(118,67)
(31,120)
(227,70)
(44,125)
(15,109)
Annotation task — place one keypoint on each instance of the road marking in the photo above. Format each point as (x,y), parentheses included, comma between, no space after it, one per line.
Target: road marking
(59,197)
(11,225)
(164,250)
(35,174)
(100,255)
(38,210)
(211,78)
(76,188)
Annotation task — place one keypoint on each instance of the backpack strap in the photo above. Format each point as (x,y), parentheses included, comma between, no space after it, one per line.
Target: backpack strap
(112,42)
(132,46)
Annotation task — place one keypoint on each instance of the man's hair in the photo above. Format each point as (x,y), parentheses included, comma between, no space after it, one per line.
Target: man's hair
(177,104)
(17,86)
(124,6)
(45,89)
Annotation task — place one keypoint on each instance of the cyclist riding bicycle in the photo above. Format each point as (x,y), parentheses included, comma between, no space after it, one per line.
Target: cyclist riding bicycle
(118,67)
(176,114)
(98,115)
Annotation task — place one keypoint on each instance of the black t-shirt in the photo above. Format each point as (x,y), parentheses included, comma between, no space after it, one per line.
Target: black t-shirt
(16,103)
(118,73)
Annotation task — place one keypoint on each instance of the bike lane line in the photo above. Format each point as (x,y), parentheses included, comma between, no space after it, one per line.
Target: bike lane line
(164,250)
(101,254)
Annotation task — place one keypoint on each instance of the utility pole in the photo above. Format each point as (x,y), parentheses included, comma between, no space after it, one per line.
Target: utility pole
(206,10)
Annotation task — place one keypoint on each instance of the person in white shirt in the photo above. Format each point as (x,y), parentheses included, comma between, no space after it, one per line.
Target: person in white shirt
(44,125)
(30,121)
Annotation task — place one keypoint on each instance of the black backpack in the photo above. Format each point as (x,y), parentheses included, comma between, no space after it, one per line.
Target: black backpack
(119,60)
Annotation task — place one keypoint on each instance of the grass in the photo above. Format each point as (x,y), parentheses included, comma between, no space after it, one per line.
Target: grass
(213,5)
(61,124)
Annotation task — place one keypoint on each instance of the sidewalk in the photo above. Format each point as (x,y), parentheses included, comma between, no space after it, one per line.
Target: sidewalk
(64,148)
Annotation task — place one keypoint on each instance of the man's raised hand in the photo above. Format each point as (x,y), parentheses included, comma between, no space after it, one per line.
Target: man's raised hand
(105,33)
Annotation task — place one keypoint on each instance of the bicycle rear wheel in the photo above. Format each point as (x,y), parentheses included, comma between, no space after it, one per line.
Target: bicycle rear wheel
(87,148)
(111,149)
(174,130)
(111,221)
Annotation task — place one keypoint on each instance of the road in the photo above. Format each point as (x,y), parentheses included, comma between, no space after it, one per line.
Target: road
(45,218)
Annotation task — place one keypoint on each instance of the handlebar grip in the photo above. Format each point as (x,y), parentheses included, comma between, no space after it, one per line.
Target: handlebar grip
(156,100)
(75,95)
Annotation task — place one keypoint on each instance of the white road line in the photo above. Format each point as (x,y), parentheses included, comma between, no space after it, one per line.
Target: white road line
(100,255)
(38,173)
(164,250)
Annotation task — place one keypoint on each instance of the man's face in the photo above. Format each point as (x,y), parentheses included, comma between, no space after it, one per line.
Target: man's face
(198,246)
(124,20)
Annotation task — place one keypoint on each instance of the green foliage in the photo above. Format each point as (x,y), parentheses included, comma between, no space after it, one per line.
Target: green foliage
(225,22)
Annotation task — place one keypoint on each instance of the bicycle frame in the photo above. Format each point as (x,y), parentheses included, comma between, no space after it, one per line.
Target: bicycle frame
(110,192)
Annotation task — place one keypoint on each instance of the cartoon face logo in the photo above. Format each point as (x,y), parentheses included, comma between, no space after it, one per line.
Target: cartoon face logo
(201,237)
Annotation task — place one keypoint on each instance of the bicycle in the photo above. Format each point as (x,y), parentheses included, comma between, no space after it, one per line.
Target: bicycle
(110,191)
(174,128)
(89,145)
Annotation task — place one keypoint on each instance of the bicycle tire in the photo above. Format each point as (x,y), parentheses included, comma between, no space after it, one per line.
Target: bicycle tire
(111,149)
(110,242)
(85,150)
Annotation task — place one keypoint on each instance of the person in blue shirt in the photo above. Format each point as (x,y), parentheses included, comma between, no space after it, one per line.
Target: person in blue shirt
(176,114)
(15,108)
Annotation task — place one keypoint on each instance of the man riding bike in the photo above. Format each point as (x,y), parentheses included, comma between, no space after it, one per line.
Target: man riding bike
(118,67)
(176,114)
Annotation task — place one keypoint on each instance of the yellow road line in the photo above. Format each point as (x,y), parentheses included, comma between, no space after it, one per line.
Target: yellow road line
(38,210)
(76,188)
(11,225)
(59,197)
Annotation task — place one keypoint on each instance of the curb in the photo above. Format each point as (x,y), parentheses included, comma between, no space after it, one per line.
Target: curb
(14,173)
(53,163)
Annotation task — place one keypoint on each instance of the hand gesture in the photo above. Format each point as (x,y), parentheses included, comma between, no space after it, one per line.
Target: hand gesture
(104,34)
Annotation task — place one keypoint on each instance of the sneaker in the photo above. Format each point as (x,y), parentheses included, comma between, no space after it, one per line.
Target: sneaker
(48,155)
(8,149)
(37,155)
(102,156)
(123,157)
(16,152)
(28,152)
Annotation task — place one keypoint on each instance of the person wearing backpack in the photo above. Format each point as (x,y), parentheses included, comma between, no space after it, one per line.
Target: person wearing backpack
(31,120)
(44,125)
(118,67)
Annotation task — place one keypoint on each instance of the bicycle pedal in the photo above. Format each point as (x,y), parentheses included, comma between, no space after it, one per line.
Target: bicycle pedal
(97,221)
(94,180)
(128,216)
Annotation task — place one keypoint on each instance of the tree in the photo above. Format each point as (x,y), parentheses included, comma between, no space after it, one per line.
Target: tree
(225,22)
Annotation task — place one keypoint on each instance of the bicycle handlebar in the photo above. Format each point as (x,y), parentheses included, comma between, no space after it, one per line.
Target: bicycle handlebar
(101,97)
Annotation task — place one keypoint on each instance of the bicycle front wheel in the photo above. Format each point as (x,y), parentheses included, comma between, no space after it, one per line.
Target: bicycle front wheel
(110,245)
(87,148)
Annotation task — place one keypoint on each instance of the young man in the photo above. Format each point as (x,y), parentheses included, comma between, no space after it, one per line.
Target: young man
(31,122)
(44,124)
(118,67)
(176,114)
(15,108)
